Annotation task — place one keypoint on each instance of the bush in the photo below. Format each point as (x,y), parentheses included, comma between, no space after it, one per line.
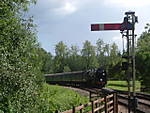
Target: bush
(61,99)
(19,66)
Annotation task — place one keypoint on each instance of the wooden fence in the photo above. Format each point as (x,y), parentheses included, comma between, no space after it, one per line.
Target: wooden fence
(107,104)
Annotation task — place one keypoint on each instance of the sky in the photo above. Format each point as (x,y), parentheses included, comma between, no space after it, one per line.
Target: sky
(69,20)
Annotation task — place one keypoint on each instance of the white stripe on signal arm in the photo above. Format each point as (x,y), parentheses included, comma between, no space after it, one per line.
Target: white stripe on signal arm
(101,26)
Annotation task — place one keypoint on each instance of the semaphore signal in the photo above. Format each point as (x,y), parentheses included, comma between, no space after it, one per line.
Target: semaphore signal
(127,28)
(112,26)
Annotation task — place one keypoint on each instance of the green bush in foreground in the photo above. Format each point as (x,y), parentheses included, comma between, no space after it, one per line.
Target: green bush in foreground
(19,64)
(59,98)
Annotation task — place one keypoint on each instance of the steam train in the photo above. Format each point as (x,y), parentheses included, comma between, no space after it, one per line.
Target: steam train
(92,78)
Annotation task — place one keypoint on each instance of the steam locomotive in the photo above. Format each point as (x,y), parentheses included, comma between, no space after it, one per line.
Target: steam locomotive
(92,78)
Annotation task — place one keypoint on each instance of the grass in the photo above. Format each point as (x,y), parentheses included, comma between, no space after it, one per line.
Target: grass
(61,99)
(122,85)
(58,98)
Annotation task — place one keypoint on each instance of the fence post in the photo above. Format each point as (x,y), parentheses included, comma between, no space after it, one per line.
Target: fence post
(100,111)
(73,110)
(92,107)
(56,111)
(115,103)
(90,96)
(105,98)
(96,105)
(80,109)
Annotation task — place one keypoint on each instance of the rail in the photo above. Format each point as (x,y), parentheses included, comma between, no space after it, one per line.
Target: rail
(108,104)
(143,101)
(139,95)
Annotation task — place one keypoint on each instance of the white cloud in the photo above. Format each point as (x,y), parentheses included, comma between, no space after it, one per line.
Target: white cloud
(66,8)
(128,3)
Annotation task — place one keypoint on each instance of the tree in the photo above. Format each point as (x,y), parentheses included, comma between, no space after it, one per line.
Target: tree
(19,66)
(114,58)
(61,51)
(143,58)
(115,62)
(106,50)
(106,57)
(66,69)
(88,55)
(103,53)
(74,60)
(100,52)
(100,45)
(46,61)
(74,50)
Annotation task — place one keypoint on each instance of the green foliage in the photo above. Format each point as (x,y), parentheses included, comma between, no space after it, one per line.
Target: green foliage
(45,60)
(19,66)
(74,59)
(115,60)
(109,57)
(100,52)
(61,99)
(61,51)
(66,69)
(143,58)
(114,57)
(88,54)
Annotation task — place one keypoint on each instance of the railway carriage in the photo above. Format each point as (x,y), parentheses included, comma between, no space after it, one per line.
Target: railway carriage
(90,78)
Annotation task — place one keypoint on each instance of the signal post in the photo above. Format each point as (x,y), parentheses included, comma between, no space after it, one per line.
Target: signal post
(127,29)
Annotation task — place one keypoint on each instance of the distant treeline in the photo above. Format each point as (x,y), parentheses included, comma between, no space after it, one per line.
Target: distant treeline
(75,59)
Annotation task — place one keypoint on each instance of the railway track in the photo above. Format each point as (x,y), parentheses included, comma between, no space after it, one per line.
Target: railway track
(143,101)
(138,94)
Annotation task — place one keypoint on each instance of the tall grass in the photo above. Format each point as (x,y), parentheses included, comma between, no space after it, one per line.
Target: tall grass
(61,99)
